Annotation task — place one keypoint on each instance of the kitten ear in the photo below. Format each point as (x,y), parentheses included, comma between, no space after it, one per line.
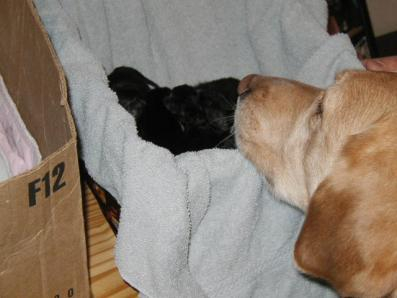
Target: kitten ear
(183,92)
(179,97)
(158,95)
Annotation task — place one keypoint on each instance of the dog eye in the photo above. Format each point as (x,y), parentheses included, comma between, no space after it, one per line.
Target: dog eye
(320,105)
(319,110)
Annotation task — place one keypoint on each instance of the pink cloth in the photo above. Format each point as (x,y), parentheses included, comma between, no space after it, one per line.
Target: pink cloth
(19,151)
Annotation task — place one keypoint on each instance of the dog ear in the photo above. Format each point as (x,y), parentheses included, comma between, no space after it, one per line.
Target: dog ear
(349,237)
(326,243)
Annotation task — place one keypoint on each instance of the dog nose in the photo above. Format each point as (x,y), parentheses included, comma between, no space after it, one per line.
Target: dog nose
(244,87)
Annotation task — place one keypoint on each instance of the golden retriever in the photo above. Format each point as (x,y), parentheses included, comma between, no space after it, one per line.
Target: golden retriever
(333,154)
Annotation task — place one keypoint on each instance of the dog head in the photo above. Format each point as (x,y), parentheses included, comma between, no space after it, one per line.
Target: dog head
(333,153)
(275,120)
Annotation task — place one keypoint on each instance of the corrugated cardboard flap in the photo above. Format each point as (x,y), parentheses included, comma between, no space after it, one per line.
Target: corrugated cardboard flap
(43,251)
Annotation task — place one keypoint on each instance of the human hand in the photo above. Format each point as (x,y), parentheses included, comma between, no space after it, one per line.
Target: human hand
(381,64)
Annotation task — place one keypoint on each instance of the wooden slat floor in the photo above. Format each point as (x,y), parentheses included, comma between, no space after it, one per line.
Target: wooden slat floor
(105,279)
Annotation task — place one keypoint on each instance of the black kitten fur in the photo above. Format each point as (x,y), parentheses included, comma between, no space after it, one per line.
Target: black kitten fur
(181,119)
(131,88)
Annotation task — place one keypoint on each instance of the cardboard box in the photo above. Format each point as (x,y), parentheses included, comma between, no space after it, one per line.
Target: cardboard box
(42,246)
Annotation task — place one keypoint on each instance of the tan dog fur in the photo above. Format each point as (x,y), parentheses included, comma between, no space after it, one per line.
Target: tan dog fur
(332,153)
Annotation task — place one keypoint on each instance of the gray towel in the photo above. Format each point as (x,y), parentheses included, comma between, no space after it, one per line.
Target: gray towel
(201,224)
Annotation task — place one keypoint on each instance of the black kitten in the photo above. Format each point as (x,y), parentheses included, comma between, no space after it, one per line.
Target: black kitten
(181,119)
(205,112)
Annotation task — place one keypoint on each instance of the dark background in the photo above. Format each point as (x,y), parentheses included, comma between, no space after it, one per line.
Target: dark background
(352,17)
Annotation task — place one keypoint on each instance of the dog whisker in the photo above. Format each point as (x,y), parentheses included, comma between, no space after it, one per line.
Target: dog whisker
(231,105)
(232,129)
(224,140)
(227,118)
